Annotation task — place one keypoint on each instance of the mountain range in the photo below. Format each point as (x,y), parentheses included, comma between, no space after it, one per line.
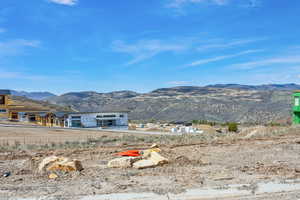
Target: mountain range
(222,103)
(33,95)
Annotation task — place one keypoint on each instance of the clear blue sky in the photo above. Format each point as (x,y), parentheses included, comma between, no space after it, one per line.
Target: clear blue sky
(105,45)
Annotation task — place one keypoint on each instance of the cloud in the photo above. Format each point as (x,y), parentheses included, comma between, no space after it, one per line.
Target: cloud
(16,47)
(218,58)
(65,2)
(4,74)
(2,30)
(18,75)
(146,49)
(225,45)
(27,75)
(180,3)
(266,62)
(142,50)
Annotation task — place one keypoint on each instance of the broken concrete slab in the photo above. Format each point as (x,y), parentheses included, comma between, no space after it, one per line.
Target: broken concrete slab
(124,162)
(158,159)
(142,164)
(153,159)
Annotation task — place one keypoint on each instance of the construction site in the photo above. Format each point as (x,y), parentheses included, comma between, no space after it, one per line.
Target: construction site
(43,163)
(174,162)
(149,100)
(254,162)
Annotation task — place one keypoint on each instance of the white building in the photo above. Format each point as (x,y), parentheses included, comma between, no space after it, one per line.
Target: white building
(97,119)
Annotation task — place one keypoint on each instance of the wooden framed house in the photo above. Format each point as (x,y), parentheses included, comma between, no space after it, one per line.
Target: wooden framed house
(5,102)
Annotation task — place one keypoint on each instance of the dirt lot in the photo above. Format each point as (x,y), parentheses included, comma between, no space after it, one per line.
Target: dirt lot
(254,156)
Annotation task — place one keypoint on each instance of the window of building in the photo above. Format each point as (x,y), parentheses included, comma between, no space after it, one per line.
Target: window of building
(297,101)
(2,110)
(76,117)
(76,123)
(99,116)
(2,100)
(109,116)
(121,116)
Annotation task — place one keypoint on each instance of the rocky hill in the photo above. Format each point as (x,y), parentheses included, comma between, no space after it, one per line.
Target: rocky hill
(253,104)
(290,86)
(42,105)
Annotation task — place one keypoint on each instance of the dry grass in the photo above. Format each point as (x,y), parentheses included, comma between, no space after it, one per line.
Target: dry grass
(63,141)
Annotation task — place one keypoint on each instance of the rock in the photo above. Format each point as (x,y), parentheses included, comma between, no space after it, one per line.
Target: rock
(124,162)
(66,166)
(53,176)
(47,161)
(54,163)
(6,174)
(154,159)
(158,159)
(142,164)
(147,153)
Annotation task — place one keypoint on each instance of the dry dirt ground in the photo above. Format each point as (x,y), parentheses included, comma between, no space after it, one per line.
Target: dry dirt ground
(254,156)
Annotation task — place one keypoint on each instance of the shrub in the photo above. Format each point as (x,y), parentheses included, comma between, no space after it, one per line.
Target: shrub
(197,122)
(232,127)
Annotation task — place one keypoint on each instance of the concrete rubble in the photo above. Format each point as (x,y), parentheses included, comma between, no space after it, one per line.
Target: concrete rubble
(142,164)
(149,158)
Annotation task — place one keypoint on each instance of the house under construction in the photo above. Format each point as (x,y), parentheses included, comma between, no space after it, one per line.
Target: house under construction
(110,119)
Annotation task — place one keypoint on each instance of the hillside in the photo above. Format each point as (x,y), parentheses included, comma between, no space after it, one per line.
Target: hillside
(33,95)
(216,103)
(290,86)
(17,100)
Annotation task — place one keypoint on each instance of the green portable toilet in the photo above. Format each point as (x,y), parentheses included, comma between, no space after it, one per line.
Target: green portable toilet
(296,107)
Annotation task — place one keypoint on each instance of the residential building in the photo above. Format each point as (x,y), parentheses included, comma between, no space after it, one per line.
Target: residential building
(5,102)
(97,119)
(43,117)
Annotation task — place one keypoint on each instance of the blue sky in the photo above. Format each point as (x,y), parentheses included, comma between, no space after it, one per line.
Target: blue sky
(106,45)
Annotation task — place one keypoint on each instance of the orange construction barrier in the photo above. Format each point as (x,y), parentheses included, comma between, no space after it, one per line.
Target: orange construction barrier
(134,153)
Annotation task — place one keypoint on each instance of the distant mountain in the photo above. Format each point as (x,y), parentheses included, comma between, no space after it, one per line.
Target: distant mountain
(290,86)
(230,102)
(33,95)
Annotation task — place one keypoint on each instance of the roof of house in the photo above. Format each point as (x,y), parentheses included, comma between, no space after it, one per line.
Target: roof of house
(26,109)
(5,92)
(60,114)
(100,112)
(43,113)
